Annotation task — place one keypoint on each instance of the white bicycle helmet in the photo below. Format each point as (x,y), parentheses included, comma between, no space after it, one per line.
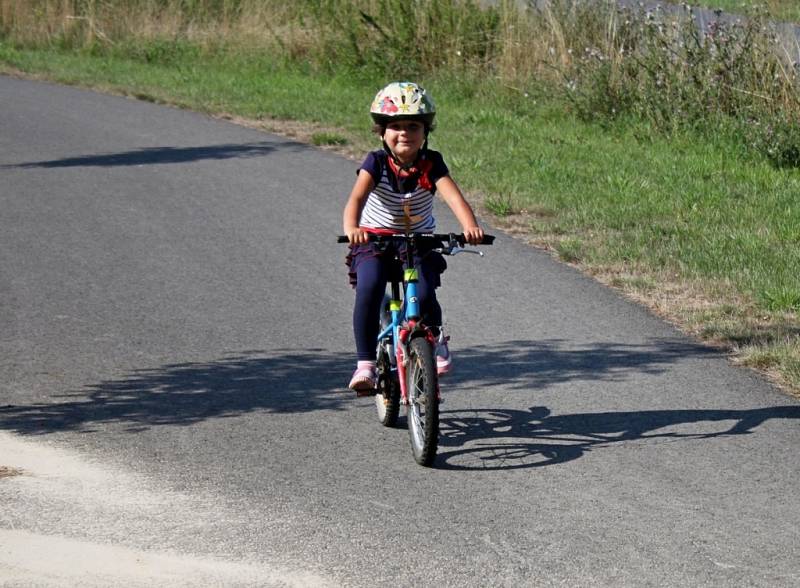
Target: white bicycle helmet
(403,101)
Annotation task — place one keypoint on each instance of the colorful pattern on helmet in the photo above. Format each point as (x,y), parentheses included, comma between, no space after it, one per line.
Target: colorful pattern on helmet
(402,99)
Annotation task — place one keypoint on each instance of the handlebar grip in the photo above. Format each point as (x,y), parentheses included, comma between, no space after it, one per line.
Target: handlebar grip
(487,239)
(342,239)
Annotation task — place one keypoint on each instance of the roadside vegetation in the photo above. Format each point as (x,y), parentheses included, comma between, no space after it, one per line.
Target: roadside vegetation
(781,10)
(663,162)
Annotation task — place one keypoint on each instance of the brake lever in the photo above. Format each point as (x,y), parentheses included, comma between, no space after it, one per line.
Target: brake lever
(453,247)
(465,250)
(454,250)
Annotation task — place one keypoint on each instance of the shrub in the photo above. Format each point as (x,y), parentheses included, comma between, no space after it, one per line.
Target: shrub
(662,69)
(776,136)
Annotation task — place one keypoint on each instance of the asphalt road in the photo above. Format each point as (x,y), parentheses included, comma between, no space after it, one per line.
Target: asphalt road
(175,336)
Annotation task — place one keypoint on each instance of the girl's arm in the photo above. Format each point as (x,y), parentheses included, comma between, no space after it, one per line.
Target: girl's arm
(452,195)
(352,210)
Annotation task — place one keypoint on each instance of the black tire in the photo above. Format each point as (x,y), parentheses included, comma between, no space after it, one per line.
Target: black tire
(387,400)
(423,401)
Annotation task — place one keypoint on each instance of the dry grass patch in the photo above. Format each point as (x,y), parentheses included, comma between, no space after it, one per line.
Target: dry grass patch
(707,310)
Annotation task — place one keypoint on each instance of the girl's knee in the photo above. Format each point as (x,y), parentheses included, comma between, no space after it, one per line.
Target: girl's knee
(370,289)
(370,279)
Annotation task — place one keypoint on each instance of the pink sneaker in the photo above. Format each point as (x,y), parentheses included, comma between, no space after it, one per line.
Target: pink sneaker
(444,361)
(364,379)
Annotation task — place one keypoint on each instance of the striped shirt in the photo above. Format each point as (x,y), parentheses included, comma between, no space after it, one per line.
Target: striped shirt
(392,205)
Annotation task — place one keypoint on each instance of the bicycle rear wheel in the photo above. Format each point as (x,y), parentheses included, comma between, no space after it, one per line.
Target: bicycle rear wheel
(423,401)
(387,400)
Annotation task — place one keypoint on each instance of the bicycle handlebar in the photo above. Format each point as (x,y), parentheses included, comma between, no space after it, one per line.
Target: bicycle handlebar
(440,237)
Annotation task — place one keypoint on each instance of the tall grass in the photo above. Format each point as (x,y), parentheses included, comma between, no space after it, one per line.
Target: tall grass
(609,62)
(785,10)
(737,75)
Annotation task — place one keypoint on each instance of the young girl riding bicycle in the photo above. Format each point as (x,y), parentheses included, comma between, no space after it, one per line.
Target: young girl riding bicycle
(393,193)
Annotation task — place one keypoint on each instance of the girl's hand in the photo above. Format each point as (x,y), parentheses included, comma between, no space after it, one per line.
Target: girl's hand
(473,235)
(357,236)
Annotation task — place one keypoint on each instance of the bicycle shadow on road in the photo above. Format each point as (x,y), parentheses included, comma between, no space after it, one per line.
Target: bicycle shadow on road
(165,155)
(503,439)
(283,381)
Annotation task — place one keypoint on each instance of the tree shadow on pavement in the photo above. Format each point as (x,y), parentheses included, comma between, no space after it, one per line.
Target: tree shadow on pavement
(301,381)
(166,155)
(285,381)
(539,364)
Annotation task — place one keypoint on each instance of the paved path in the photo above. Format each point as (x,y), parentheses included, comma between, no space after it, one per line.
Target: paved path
(174,342)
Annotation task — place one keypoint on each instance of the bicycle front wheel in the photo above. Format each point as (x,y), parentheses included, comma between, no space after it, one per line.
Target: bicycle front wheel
(423,401)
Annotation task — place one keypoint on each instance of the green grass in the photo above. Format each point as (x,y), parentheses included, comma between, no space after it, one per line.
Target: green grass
(697,216)
(328,138)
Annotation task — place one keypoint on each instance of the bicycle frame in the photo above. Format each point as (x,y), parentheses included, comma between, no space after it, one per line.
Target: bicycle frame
(405,321)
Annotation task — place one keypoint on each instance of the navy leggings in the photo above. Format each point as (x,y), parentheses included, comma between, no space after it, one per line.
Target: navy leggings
(372,273)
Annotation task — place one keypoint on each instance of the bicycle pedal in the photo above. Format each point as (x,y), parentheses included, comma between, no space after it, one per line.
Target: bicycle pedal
(365,393)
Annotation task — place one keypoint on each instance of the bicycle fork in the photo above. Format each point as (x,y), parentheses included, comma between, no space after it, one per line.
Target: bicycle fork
(402,331)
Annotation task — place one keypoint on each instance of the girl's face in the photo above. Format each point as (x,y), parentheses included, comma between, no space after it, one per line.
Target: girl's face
(405,139)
